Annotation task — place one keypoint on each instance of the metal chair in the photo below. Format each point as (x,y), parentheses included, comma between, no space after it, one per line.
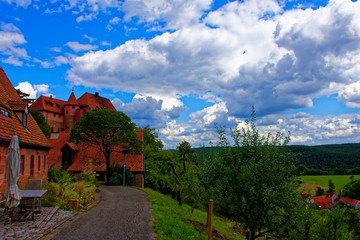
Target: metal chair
(32,184)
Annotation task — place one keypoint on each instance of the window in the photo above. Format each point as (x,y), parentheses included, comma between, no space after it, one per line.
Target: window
(54,114)
(39,163)
(52,129)
(44,165)
(4,113)
(22,165)
(67,112)
(32,165)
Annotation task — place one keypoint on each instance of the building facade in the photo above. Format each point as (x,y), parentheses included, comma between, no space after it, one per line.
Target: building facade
(62,116)
(34,146)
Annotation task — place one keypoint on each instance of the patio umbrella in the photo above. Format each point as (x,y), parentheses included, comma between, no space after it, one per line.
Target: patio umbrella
(12,192)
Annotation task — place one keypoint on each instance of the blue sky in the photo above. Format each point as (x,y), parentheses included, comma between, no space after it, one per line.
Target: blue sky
(180,66)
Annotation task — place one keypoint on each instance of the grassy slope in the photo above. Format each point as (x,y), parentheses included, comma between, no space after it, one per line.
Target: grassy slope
(173,221)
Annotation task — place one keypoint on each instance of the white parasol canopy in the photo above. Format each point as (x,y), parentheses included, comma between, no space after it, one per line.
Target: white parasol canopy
(12,192)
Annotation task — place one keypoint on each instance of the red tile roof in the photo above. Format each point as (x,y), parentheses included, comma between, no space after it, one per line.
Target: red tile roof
(48,104)
(10,100)
(72,100)
(348,201)
(324,202)
(81,160)
(95,101)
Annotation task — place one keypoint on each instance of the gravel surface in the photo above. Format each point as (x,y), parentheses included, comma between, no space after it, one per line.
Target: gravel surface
(123,213)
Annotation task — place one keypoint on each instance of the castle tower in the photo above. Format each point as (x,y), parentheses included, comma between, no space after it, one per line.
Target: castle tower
(70,108)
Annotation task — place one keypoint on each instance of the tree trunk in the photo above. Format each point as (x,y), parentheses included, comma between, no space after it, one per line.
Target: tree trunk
(180,197)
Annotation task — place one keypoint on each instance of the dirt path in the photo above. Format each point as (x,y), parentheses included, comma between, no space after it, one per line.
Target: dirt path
(123,213)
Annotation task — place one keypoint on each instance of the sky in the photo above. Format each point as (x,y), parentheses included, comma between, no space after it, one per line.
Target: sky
(182,66)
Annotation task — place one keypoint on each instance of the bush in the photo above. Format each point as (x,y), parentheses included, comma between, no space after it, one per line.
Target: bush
(59,176)
(49,199)
(319,191)
(115,176)
(89,175)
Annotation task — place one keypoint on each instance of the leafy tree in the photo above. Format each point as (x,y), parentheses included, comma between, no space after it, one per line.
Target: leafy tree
(352,189)
(331,186)
(109,131)
(24,96)
(180,165)
(253,181)
(40,120)
(319,191)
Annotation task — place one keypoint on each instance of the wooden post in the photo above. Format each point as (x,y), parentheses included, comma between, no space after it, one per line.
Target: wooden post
(209,220)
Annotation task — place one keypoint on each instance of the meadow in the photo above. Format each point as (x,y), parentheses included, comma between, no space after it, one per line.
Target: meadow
(323,180)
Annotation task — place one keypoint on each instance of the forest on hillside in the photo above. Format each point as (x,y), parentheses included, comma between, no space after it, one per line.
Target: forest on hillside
(332,156)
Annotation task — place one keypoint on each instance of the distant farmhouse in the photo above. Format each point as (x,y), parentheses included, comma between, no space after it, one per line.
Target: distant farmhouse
(62,116)
(34,146)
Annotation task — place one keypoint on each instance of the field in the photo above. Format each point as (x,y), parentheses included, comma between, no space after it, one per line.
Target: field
(311,182)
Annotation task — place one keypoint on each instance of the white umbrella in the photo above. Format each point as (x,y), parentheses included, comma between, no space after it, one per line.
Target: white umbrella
(12,192)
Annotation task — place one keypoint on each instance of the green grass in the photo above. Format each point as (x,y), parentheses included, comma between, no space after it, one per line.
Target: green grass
(339,180)
(172,221)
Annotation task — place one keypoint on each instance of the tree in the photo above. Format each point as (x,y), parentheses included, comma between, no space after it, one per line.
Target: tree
(331,186)
(252,182)
(109,131)
(179,165)
(352,189)
(24,96)
(40,120)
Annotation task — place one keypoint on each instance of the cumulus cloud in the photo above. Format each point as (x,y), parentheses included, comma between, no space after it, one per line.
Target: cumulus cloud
(247,53)
(33,90)
(173,14)
(78,47)
(148,111)
(11,41)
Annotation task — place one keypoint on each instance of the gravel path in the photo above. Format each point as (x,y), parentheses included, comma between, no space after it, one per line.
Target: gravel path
(123,213)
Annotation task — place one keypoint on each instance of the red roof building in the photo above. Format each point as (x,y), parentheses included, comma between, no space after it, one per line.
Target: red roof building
(34,146)
(324,202)
(350,202)
(62,116)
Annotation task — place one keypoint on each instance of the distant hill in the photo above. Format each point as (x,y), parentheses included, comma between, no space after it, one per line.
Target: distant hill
(319,157)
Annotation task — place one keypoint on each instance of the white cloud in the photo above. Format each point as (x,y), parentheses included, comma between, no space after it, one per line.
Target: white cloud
(21,3)
(11,40)
(175,14)
(33,90)
(114,21)
(77,47)
(243,54)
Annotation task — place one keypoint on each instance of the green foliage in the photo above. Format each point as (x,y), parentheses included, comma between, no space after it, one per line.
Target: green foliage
(50,197)
(331,186)
(173,221)
(89,175)
(332,225)
(115,176)
(320,191)
(60,176)
(41,122)
(107,130)
(352,189)
(253,181)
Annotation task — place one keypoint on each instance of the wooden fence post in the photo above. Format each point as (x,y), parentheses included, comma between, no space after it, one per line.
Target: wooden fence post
(209,220)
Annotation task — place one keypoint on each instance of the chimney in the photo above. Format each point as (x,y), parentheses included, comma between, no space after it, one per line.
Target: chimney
(50,96)
(96,94)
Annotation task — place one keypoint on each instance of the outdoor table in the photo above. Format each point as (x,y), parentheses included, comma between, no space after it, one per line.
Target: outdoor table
(34,195)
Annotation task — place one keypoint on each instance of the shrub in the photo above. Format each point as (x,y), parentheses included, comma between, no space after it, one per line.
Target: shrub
(319,191)
(115,176)
(59,176)
(50,197)
(90,175)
